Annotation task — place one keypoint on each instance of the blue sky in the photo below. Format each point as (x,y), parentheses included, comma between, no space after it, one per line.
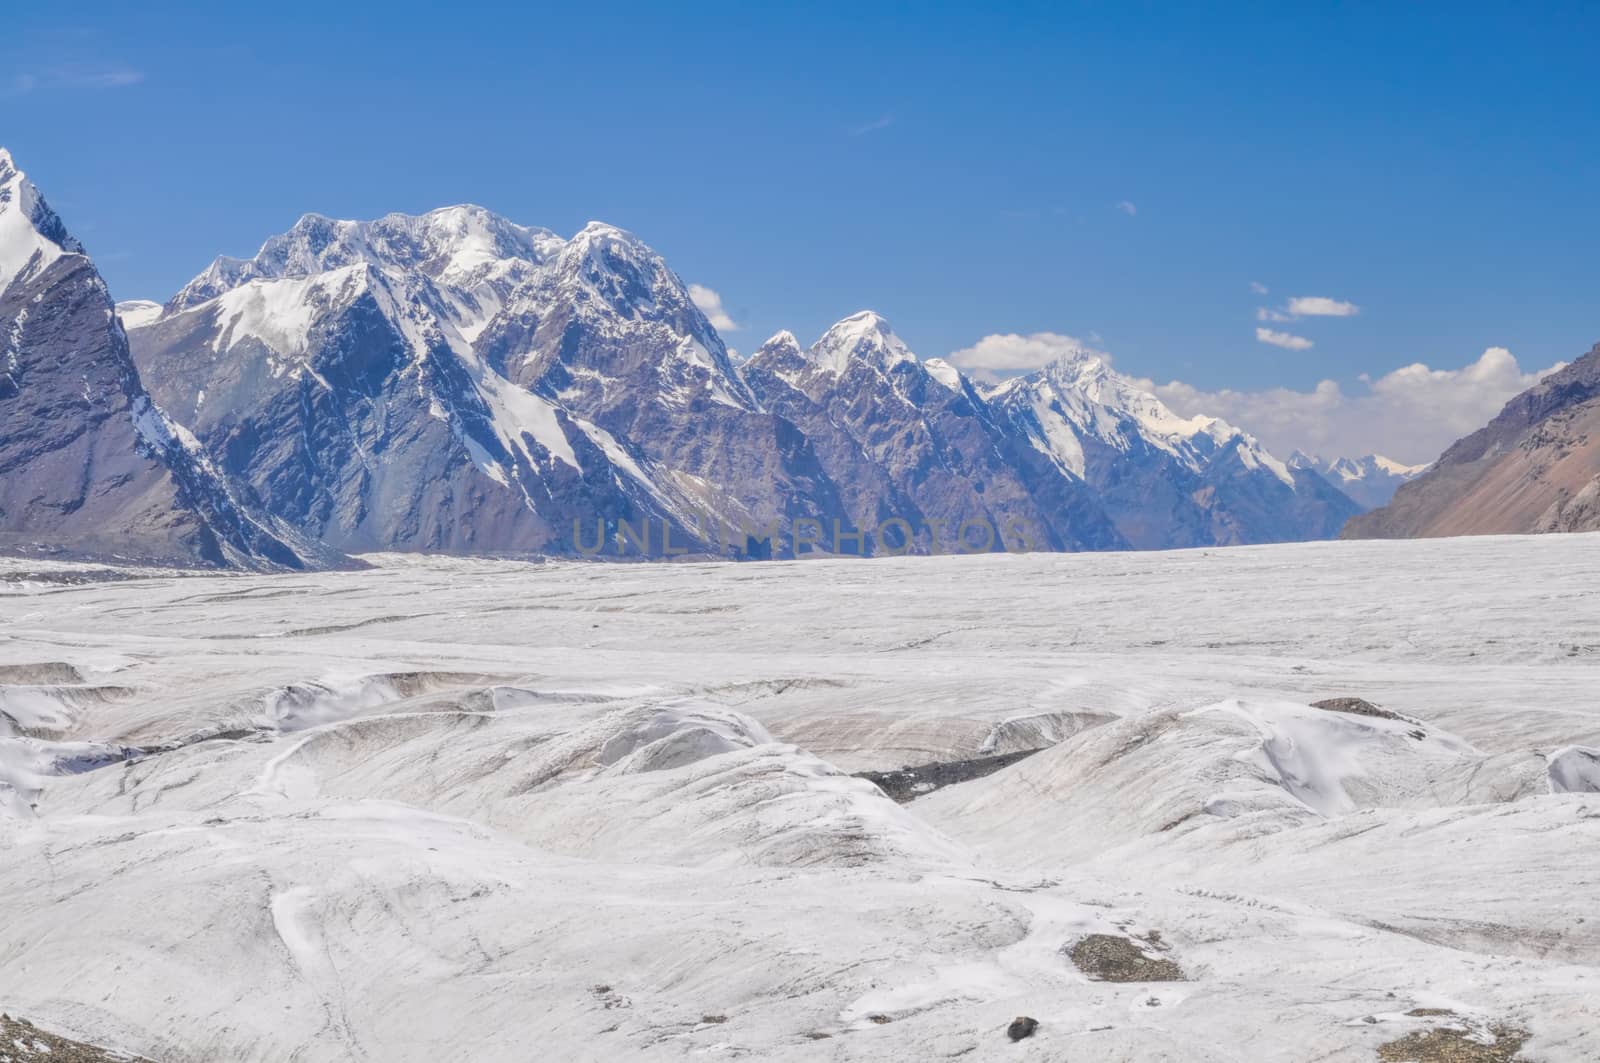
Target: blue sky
(1120,173)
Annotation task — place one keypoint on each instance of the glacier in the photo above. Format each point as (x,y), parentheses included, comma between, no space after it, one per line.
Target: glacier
(452,807)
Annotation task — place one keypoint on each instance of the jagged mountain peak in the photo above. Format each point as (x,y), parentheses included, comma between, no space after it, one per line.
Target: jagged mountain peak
(463,245)
(864,336)
(1079,365)
(1085,382)
(438,238)
(598,232)
(1371,480)
(1371,465)
(782,338)
(1299,459)
(781,344)
(31,234)
(620,264)
(629,310)
(1095,423)
(94,467)
(944,373)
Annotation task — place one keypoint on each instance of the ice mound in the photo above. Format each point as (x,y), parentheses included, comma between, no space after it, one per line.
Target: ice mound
(1271,765)
(1335,762)
(1037,731)
(301,706)
(52,710)
(45,673)
(677,734)
(682,782)
(1575,770)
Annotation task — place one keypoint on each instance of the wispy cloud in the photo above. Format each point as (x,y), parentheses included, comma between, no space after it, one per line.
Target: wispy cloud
(873,126)
(1264,313)
(1320,306)
(74,76)
(1259,288)
(1287,340)
(710,304)
(1127,207)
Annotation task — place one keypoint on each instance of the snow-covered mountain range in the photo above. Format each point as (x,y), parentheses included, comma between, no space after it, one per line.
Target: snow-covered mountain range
(457,382)
(1370,481)
(1165,480)
(88,464)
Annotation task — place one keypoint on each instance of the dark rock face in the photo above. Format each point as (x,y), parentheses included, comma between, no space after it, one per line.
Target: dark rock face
(89,466)
(908,784)
(1021,1027)
(915,440)
(1534,468)
(1355,706)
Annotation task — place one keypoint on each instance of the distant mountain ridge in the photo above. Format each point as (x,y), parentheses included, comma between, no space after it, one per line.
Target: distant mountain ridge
(916,441)
(1370,481)
(89,465)
(1534,468)
(454,381)
(1166,481)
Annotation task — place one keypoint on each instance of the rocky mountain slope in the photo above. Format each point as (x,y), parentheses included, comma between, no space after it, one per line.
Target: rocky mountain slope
(1369,481)
(1534,468)
(913,440)
(456,382)
(88,464)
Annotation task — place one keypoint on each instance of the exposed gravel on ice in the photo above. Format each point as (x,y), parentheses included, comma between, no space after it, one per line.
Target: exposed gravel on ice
(23,1042)
(456,808)
(1112,958)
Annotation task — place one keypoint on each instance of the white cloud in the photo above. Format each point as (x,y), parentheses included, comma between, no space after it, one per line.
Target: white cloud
(120,77)
(1010,352)
(710,304)
(1265,314)
(1320,306)
(1410,414)
(1287,340)
(1127,208)
(75,77)
(873,126)
(1258,288)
